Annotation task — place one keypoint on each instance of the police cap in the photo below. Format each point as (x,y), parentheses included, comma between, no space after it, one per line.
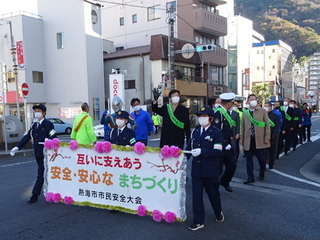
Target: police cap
(40,106)
(206,110)
(227,96)
(122,114)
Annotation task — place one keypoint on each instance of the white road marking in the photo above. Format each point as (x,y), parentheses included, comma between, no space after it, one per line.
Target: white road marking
(15,164)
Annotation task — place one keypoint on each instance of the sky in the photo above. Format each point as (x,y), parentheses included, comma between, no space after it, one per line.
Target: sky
(7,6)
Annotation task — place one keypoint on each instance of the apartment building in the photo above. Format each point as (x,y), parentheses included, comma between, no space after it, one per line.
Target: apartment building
(314,79)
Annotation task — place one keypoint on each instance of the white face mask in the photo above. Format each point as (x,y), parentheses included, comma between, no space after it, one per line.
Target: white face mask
(175,99)
(38,115)
(136,108)
(291,105)
(285,103)
(266,108)
(247,106)
(203,121)
(234,108)
(120,122)
(253,103)
(216,105)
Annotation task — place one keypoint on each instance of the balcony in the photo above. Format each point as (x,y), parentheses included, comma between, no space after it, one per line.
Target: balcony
(188,88)
(217,57)
(209,23)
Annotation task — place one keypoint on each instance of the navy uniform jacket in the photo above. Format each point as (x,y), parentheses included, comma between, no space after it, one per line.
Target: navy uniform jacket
(125,138)
(287,124)
(37,135)
(221,122)
(207,164)
(274,131)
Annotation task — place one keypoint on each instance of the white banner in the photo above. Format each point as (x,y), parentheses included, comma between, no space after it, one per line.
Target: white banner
(121,180)
(116,87)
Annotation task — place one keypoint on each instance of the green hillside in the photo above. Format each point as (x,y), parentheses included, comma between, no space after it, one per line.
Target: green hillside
(296,22)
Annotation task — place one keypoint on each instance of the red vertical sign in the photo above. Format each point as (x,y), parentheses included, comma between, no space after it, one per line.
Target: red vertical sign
(20,55)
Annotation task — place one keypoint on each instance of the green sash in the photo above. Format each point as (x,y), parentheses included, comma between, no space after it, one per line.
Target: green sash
(253,121)
(271,123)
(231,122)
(286,114)
(296,118)
(173,118)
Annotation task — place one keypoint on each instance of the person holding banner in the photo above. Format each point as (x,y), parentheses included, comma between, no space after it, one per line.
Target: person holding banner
(39,131)
(175,120)
(82,130)
(255,137)
(206,148)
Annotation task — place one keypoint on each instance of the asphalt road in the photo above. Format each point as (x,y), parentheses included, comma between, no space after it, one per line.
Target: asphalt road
(286,205)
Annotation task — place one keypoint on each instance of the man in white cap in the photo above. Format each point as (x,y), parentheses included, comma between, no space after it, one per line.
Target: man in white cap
(224,121)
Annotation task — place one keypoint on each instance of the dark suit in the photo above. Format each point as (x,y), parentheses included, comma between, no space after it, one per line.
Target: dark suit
(236,130)
(126,137)
(274,133)
(38,134)
(287,125)
(228,156)
(206,170)
(297,116)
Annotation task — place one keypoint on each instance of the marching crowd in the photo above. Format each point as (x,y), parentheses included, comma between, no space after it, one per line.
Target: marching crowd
(224,132)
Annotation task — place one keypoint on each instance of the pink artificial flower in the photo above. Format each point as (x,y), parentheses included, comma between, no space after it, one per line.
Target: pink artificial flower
(170,217)
(165,151)
(142,211)
(98,147)
(55,143)
(56,197)
(174,151)
(48,144)
(68,200)
(157,215)
(139,148)
(49,197)
(73,145)
(106,147)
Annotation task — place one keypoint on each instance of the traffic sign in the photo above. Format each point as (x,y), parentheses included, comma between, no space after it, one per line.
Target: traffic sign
(24,89)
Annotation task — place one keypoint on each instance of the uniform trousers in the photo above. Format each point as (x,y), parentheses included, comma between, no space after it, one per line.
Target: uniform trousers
(308,136)
(40,179)
(144,141)
(294,133)
(273,150)
(229,161)
(211,186)
(287,141)
(260,154)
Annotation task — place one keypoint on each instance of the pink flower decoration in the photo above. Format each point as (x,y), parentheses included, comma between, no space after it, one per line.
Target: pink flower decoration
(170,217)
(73,145)
(56,197)
(49,196)
(106,147)
(174,151)
(48,144)
(98,147)
(142,211)
(165,151)
(139,148)
(157,215)
(68,200)
(55,143)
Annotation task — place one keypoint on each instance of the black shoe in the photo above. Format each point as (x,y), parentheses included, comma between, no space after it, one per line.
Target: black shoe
(286,153)
(309,141)
(270,167)
(227,187)
(196,226)
(261,176)
(294,149)
(248,181)
(220,219)
(33,199)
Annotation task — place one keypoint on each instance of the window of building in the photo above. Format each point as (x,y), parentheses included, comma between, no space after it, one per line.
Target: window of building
(129,84)
(258,68)
(134,18)
(11,77)
(273,50)
(119,48)
(154,13)
(258,52)
(273,67)
(60,40)
(121,21)
(37,77)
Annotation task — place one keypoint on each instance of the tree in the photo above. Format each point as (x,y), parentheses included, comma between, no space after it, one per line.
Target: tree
(262,92)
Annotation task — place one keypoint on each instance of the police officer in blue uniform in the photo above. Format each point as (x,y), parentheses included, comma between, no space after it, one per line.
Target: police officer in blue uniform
(121,134)
(39,131)
(206,148)
(224,121)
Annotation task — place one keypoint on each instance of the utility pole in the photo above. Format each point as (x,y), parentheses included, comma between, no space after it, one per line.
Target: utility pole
(171,19)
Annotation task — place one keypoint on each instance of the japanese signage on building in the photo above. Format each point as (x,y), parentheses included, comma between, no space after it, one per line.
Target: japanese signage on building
(20,55)
(121,179)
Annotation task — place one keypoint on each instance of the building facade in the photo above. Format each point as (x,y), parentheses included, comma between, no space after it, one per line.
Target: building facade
(314,80)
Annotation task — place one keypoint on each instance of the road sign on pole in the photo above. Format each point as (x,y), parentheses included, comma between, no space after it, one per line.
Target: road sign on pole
(25,89)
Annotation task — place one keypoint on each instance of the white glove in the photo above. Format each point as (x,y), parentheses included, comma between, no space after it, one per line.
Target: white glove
(228,147)
(13,151)
(196,152)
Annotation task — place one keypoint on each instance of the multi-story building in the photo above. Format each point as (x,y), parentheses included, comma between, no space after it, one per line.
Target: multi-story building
(132,23)
(271,62)
(60,57)
(314,80)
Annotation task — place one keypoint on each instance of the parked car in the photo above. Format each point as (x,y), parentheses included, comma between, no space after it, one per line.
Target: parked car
(99,131)
(60,126)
